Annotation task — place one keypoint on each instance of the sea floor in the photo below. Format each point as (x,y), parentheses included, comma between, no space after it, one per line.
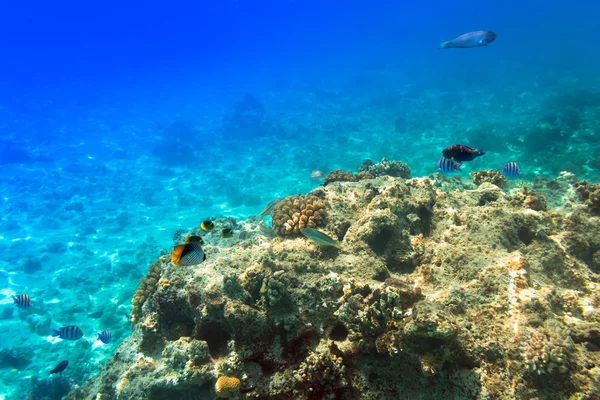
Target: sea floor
(100,195)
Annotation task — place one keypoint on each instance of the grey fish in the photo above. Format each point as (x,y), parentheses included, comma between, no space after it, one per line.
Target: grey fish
(22,301)
(60,367)
(269,207)
(320,237)
(471,39)
(70,332)
(266,231)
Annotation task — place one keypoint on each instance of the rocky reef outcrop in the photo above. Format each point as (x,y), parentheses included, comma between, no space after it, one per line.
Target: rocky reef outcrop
(470,294)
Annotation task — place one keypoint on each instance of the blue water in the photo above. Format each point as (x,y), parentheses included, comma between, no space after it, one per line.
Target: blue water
(121,123)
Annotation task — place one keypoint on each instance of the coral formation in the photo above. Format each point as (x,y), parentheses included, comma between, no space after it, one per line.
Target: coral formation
(547,351)
(491,176)
(340,176)
(145,288)
(227,386)
(468,293)
(296,212)
(384,167)
(590,195)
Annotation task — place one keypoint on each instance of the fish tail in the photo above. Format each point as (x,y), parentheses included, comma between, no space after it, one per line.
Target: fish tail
(444,45)
(55,332)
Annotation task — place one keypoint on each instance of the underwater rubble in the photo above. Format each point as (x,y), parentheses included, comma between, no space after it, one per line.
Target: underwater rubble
(470,293)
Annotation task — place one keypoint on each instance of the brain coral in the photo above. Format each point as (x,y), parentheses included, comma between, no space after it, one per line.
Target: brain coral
(227,386)
(296,212)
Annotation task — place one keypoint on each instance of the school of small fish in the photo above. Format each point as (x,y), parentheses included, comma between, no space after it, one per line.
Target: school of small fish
(70,332)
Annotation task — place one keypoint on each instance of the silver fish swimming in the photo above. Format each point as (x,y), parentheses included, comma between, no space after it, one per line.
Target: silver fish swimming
(269,207)
(471,39)
(266,231)
(70,332)
(319,237)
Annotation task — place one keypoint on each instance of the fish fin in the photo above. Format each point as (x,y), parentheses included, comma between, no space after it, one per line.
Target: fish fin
(55,333)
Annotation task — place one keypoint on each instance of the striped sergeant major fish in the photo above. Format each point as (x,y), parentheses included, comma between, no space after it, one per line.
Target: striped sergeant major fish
(22,301)
(70,332)
(448,165)
(511,170)
(105,336)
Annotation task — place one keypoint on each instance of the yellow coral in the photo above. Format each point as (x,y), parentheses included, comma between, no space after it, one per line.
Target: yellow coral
(227,386)
(296,212)
(146,287)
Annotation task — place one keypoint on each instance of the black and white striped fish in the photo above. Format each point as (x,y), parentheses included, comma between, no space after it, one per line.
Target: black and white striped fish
(448,165)
(105,336)
(187,254)
(22,301)
(511,170)
(70,332)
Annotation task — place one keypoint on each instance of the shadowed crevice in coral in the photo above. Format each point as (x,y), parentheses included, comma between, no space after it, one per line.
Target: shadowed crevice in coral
(182,392)
(425,213)
(526,235)
(343,229)
(400,264)
(180,328)
(339,332)
(380,241)
(297,348)
(215,336)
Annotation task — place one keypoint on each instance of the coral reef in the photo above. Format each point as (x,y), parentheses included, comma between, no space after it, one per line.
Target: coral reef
(468,293)
(145,288)
(296,212)
(53,388)
(491,176)
(340,176)
(227,386)
(590,195)
(384,167)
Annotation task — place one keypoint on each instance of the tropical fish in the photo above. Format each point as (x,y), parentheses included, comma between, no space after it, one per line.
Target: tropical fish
(317,175)
(471,39)
(227,233)
(22,301)
(96,314)
(60,367)
(105,336)
(511,170)
(194,239)
(448,165)
(207,225)
(70,332)
(269,207)
(319,237)
(266,231)
(460,153)
(187,254)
